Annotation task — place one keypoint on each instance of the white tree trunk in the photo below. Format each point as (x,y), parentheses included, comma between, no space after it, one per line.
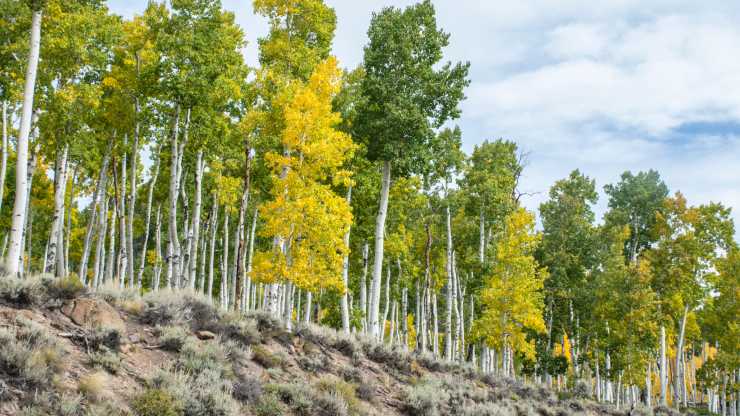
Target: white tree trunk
(239,239)
(54,260)
(375,329)
(133,282)
(225,264)
(157,250)
(363,286)
(309,298)
(250,303)
(150,195)
(99,261)
(109,270)
(435,326)
(663,368)
(100,190)
(678,378)
(211,257)
(173,246)
(345,274)
(12,262)
(199,168)
(482,237)
(4,158)
(450,287)
(122,264)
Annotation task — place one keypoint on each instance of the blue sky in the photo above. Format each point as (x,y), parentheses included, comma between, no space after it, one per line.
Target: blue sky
(603,86)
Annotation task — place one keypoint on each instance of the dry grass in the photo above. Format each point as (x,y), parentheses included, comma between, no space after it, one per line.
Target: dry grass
(94,385)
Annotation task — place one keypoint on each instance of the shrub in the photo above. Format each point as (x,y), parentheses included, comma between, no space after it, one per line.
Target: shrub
(366,391)
(172,338)
(205,393)
(167,307)
(93,385)
(331,404)
(265,358)
(21,292)
(102,337)
(248,389)
(298,397)
(351,374)
(425,398)
(266,322)
(268,405)
(234,327)
(107,361)
(313,363)
(65,288)
(156,402)
(336,387)
(29,355)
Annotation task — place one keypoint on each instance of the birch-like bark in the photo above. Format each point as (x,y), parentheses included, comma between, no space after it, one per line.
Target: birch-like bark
(211,257)
(239,239)
(99,262)
(122,265)
(157,249)
(345,273)
(99,190)
(54,261)
(649,385)
(173,246)
(4,157)
(250,303)
(450,288)
(203,257)
(663,368)
(70,206)
(482,237)
(149,197)
(363,286)
(198,203)
(435,326)
(109,270)
(404,312)
(133,280)
(13,259)
(678,378)
(309,299)
(28,226)
(375,328)
(387,301)
(225,264)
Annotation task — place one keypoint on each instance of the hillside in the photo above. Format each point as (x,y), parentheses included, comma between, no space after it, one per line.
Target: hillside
(64,351)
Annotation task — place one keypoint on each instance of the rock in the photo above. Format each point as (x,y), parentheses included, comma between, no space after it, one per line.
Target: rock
(205,335)
(92,313)
(134,338)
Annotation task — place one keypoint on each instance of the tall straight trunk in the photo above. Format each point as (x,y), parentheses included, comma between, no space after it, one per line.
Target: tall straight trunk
(99,190)
(345,273)
(133,281)
(150,195)
(649,385)
(240,248)
(250,256)
(387,301)
(239,238)
(12,262)
(28,226)
(471,318)
(309,298)
(404,313)
(70,205)
(678,378)
(122,265)
(225,264)
(363,286)
(288,306)
(56,235)
(375,328)
(211,257)
(109,270)
(203,257)
(482,237)
(435,326)
(173,246)
(198,203)
(99,262)
(4,157)
(158,249)
(663,368)
(450,287)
